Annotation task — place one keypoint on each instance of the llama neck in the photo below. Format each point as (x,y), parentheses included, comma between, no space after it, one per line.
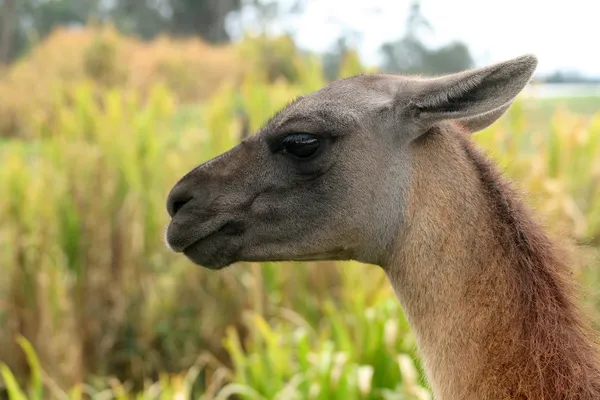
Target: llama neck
(484,289)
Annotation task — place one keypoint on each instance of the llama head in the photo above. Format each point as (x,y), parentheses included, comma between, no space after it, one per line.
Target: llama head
(326,177)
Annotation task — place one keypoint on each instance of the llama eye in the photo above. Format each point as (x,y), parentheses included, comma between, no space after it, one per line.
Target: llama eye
(301,145)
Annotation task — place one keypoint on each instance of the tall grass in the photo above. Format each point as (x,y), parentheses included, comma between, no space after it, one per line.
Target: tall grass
(557,164)
(92,304)
(89,280)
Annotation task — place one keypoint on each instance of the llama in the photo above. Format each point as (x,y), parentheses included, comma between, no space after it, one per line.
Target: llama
(381,169)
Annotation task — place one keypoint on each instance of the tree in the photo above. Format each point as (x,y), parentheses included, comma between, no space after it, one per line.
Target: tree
(409,55)
(205,18)
(143,18)
(24,21)
(7,31)
(416,21)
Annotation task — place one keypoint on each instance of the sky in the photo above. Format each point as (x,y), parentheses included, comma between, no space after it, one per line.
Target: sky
(563,34)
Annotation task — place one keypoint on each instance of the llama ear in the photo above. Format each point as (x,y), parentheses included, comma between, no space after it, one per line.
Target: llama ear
(476,98)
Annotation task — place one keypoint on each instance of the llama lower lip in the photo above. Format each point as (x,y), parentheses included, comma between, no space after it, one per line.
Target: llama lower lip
(199,240)
(218,249)
(180,236)
(182,247)
(211,254)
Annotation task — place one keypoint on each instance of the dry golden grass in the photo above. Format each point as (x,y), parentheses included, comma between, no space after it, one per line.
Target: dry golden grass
(190,68)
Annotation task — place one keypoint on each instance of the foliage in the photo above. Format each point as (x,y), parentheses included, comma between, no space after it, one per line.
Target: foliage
(89,280)
(284,359)
(356,353)
(33,20)
(82,246)
(189,68)
(42,387)
(93,304)
(205,18)
(558,166)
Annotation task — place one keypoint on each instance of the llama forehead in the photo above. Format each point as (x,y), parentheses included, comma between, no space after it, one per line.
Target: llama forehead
(341,106)
(311,115)
(363,92)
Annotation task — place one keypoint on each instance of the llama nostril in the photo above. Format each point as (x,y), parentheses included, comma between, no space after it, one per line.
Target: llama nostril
(177,206)
(177,201)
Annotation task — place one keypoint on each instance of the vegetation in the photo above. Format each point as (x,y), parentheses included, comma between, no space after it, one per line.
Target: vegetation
(92,303)
(24,22)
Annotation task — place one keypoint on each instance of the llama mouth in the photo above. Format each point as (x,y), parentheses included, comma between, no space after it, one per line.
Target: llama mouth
(218,249)
(179,238)
(230,228)
(223,229)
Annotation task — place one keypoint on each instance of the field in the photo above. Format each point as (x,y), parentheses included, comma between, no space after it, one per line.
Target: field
(93,305)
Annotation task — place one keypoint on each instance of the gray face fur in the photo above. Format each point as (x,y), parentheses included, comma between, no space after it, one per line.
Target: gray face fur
(260,202)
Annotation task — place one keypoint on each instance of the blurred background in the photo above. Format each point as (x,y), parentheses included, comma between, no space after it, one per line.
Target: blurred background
(105,104)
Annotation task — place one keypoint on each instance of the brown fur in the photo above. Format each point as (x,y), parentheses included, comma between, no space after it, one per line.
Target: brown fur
(395,181)
(488,292)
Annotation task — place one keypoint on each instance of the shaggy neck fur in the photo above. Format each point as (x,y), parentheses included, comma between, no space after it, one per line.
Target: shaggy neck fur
(488,294)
